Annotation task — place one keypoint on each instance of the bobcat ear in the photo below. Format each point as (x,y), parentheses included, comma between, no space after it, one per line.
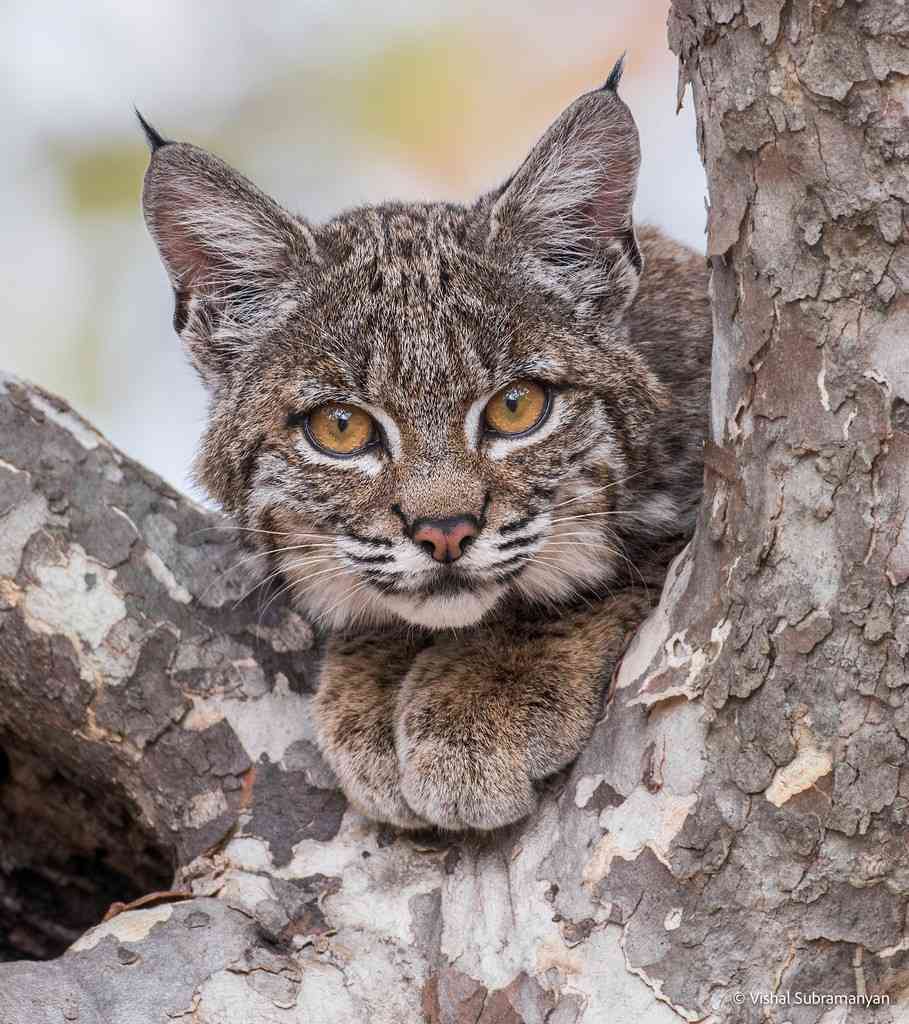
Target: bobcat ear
(233,256)
(568,207)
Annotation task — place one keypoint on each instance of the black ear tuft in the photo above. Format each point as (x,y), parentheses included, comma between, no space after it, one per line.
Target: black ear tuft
(615,76)
(154,139)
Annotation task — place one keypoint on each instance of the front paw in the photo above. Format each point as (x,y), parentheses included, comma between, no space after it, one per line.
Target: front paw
(353,712)
(462,746)
(460,786)
(482,717)
(366,766)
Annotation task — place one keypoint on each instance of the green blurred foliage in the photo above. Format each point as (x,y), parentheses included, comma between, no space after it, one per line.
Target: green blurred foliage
(105,177)
(416,95)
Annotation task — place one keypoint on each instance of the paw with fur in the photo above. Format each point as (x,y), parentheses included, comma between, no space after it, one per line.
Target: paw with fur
(354,716)
(455,733)
(482,717)
(462,747)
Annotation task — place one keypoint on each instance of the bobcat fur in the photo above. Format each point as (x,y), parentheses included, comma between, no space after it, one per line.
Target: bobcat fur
(450,688)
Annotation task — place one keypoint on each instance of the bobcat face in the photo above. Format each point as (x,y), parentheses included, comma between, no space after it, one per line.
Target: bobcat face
(426,424)
(421,409)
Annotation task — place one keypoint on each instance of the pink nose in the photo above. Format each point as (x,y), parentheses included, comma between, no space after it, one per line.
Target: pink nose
(445,539)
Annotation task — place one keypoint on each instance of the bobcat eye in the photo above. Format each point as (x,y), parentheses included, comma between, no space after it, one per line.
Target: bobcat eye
(517,409)
(340,429)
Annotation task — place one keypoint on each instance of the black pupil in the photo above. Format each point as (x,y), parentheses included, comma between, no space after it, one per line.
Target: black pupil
(513,399)
(342,420)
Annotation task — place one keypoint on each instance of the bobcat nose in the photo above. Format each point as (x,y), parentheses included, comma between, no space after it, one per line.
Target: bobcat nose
(445,539)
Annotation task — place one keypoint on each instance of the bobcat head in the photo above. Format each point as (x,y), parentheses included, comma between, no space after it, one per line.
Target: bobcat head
(424,409)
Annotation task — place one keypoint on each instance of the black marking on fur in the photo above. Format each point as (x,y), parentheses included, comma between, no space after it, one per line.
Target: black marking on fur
(507,577)
(632,250)
(376,579)
(369,559)
(181,309)
(544,492)
(509,561)
(481,522)
(446,585)
(520,542)
(380,541)
(396,508)
(518,524)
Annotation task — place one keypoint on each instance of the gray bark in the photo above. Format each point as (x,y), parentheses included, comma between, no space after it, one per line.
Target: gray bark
(737,824)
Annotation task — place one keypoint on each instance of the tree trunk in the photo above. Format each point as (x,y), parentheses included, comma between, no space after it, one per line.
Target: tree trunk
(732,845)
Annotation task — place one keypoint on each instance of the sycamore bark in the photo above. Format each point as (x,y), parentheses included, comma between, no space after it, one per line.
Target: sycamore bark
(732,846)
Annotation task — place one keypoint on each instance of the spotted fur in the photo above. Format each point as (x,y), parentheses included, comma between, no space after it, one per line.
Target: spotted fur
(419,314)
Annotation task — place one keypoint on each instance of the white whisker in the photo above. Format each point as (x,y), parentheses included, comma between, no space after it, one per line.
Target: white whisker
(311,579)
(591,515)
(263,554)
(281,571)
(236,528)
(586,494)
(349,594)
(573,579)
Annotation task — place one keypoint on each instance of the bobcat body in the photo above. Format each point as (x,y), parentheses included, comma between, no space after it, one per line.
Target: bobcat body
(470,437)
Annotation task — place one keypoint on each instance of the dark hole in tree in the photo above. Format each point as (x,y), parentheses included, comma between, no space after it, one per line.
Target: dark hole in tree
(69,847)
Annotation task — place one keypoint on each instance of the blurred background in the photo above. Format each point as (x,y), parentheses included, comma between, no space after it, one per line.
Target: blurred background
(325,104)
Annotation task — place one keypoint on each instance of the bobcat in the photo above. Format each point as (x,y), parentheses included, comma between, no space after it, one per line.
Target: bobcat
(469,436)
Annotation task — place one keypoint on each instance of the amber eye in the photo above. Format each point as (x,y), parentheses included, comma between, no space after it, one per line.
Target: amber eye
(340,429)
(518,408)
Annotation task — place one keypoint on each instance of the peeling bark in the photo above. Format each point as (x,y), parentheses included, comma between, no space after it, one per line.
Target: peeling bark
(737,824)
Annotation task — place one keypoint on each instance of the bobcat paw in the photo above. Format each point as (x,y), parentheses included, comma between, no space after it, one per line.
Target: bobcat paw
(368,774)
(353,712)
(457,788)
(464,762)
(480,718)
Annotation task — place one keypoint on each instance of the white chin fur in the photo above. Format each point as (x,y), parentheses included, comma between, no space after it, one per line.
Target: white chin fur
(442,612)
(341,600)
